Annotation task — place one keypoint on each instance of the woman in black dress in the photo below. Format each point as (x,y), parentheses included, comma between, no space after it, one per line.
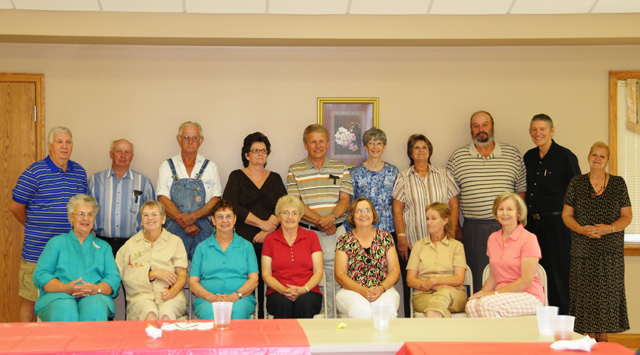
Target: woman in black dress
(254,192)
(597,209)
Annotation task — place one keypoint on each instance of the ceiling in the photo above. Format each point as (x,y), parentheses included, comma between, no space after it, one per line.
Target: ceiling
(335,7)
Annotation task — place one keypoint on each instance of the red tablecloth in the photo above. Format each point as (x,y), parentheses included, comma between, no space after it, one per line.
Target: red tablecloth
(430,348)
(243,337)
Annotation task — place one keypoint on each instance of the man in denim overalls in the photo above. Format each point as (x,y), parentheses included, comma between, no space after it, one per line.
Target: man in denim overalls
(188,187)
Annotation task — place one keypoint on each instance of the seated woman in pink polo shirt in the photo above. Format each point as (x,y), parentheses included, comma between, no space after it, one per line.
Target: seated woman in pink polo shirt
(292,264)
(513,288)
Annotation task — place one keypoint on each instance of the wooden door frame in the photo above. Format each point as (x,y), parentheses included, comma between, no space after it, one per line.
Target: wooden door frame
(38,80)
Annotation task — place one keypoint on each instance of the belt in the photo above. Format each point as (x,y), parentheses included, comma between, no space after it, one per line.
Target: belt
(314,228)
(543,215)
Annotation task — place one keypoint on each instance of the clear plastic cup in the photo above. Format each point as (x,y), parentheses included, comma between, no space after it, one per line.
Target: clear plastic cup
(545,315)
(222,314)
(563,327)
(381,315)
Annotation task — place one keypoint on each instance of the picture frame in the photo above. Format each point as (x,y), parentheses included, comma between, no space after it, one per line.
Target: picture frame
(346,119)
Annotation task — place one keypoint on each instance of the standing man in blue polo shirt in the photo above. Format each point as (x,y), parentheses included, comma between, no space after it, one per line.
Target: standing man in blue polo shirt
(120,192)
(40,203)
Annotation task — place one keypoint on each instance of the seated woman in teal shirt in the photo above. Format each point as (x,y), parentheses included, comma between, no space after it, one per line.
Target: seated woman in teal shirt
(224,268)
(76,273)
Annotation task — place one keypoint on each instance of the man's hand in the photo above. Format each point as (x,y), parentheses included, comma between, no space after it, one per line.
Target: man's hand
(192,230)
(325,222)
(186,219)
(403,247)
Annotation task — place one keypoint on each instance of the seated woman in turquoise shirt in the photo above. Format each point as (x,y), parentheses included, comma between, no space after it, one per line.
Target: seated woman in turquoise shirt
(76,273)
(224,268)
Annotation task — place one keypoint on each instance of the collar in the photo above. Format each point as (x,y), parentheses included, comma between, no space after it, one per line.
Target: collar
(412,170)
(278,235)
(127,174)
(213,243)
(497,151)
(90,238)
(444,241)
(164,236)
(309,165)
(178,158)
(515,235)
(55,168)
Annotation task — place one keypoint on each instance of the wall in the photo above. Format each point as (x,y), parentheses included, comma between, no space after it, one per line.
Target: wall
(143,93)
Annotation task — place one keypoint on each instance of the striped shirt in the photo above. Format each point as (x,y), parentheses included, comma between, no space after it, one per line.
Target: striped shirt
(482,179)
(45,189)
(417,194)
(119,201)
(319,189)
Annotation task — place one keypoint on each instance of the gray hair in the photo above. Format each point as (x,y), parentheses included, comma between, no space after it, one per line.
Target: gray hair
(520,206)
(289,200)
(375,134)
(315,128)
(190,124)
(57,130)
(156,204)
(81,199)
(543,117)
(118,140)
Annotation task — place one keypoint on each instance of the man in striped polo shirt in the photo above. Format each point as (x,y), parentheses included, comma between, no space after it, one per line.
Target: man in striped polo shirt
(120,192)
(40,203)
(324,186)
(483,170)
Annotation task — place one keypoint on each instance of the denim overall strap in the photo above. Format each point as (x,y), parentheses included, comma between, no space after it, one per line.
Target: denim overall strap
(201,172)
(174,174)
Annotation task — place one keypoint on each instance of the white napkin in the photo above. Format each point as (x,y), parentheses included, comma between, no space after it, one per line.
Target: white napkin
(188,326)
(153,332)
(584,344)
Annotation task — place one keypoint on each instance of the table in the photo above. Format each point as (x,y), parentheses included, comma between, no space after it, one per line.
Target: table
(431,348)
(283,336)
(359,336)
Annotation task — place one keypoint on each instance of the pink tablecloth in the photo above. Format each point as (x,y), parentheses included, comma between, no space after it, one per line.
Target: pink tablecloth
(430,348)
(243,337)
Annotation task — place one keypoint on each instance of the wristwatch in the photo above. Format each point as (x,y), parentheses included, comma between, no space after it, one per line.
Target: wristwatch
(239,295)
(334,216)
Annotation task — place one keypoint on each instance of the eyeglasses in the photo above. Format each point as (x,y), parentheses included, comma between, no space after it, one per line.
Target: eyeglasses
(82,214)
(364,210)
(375,144)
(256,151)
(222,217)
(290,213)
(192,139)
(150,215)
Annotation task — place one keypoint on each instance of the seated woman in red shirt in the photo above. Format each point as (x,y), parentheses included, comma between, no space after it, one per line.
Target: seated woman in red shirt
(292,264)
(513,288)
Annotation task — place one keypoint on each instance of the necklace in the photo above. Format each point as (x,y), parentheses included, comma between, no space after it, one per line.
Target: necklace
(601,189)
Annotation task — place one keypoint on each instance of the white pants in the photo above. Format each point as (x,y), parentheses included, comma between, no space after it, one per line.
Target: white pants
(328,245)
(354,305)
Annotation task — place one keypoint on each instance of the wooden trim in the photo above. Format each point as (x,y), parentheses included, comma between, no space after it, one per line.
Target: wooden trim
(38,80)
(632,249)
(629,340)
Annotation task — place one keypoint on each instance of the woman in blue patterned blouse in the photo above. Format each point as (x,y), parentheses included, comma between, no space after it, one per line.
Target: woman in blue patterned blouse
(374,179)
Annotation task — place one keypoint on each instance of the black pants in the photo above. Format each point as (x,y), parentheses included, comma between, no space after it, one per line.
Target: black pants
(115,243)
(406,290)
(475,234)
(555,243)
(306,306)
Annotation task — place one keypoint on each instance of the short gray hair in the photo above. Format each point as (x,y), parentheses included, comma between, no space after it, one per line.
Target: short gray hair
(375,134)
(81,199)
(190,124)
(121,139)
(154,203)
(287,200)
(57,130)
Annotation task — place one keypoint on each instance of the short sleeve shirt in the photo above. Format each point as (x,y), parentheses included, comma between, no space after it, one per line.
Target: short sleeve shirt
(505,260)
(291,264)
(438,260)
(210,178)
(377,186)
(368,267)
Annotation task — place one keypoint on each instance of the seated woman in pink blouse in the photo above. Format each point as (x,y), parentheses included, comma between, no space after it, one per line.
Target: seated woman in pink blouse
(513,288)
(292,264)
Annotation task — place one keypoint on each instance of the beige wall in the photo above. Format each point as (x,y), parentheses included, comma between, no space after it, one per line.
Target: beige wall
(142,93)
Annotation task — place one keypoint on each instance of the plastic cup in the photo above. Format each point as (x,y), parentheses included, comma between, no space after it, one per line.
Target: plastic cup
(381,315)
(563,327)
(222,314)
(545,315)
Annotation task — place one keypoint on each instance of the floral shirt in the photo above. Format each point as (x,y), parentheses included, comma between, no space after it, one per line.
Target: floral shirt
(377,186)
(368,267)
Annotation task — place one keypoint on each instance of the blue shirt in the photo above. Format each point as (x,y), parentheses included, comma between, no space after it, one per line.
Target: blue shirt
(65,259)
(223,272)
(377,186)
(119,202)
(45,189)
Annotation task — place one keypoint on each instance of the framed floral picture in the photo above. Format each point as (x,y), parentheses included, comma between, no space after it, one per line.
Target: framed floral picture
(347,119)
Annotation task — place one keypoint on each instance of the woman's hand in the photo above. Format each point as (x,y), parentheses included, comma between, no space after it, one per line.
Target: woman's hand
(428,284)
(293,292)
(481,293)
(166,295)
(373,293)
(164,275)
(232,297)
(84,289)
(267,226)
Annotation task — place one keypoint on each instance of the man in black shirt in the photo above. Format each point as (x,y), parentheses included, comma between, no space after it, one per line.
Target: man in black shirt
(550,167)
